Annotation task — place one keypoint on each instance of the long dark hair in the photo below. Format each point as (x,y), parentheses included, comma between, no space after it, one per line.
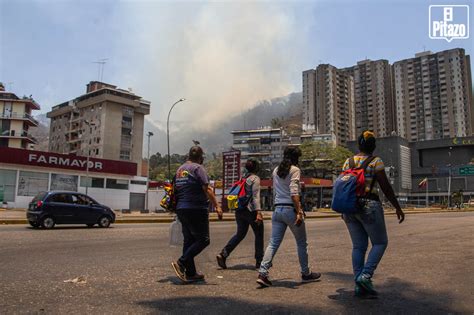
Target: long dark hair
(291,156)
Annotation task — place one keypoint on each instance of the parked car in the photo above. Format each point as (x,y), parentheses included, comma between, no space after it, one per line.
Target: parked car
(65,207)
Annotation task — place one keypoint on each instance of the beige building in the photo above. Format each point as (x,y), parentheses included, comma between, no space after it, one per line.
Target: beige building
(329,107)
(106,122)
(309,100)
(16,120)
(373,97)
(433,95)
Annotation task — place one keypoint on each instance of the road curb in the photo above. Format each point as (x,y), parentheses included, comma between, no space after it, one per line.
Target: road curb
(228,218)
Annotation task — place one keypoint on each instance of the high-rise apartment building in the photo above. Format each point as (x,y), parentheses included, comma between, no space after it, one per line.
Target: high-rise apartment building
(309,100)
(329,107)
(373,103)
(16,119)
(106,122)
(433,95)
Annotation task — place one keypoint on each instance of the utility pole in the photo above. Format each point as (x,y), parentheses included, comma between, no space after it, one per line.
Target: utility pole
(149,135)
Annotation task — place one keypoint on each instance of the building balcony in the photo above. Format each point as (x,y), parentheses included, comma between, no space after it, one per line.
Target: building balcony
(73,140)
(13,134)
(25,117)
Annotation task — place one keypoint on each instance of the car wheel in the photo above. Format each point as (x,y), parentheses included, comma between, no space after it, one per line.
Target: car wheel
(104,222)
(34,224)
(48,223)
(90,225)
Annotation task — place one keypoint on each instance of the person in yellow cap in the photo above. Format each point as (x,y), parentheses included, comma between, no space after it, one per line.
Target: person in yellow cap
(369,222)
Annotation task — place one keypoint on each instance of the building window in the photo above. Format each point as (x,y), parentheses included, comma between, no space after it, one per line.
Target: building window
(95,182)
(117,183)
(7,184)
(125,155)
(64,182)
(127,111)
(31,183)
(138,182)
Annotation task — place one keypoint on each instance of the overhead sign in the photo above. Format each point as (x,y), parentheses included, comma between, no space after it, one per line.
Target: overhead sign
(231,168)
(65,161)
(463,141)
(466,170)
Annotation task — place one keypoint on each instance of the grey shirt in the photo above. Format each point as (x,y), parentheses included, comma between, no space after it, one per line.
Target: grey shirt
(284,188)
(253,181)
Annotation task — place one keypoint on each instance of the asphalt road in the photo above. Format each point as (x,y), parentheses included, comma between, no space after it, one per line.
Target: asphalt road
(428,269)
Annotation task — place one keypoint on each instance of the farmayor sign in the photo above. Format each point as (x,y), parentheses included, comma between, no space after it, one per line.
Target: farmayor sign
(64,161)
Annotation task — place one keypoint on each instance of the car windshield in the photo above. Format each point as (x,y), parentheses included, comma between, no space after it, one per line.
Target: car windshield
(39,196)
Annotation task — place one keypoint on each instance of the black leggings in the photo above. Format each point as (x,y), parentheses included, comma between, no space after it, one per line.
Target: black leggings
(244,219)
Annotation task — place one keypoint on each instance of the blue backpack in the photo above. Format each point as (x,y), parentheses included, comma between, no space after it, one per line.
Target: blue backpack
(349,187)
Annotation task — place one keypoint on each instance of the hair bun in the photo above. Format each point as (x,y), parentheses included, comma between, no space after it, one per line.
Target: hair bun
(368,134)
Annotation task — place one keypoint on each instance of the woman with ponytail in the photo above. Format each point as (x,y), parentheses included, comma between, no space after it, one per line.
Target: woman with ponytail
(288,214)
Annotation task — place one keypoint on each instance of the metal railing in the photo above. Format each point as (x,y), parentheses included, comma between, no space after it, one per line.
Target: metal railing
(19,116)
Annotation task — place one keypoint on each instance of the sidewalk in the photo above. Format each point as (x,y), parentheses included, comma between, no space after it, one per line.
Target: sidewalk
(18,216)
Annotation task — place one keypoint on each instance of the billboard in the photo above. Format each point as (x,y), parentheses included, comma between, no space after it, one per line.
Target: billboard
(231,169)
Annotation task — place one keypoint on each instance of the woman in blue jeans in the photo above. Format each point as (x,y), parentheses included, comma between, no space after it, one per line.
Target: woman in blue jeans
(369,222)
(287,214)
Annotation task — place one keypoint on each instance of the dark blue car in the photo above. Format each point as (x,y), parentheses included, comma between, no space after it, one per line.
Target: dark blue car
(65,207)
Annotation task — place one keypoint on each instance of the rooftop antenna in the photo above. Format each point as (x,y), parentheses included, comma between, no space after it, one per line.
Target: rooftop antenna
(424,48)
(101,64)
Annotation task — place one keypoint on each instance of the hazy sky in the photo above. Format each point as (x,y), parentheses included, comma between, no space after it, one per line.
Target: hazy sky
(222,56)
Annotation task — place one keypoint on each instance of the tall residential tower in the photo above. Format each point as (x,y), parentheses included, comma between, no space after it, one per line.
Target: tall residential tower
(433,95)
(328,102)
(373,97)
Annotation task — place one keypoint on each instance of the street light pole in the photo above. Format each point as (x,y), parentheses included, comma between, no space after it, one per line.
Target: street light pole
(449,178)
(149,135)
(168,135)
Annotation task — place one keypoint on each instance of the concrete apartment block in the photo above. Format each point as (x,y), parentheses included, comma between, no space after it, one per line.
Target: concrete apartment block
(16,119)
(373,96)
(433,95)
(106,122)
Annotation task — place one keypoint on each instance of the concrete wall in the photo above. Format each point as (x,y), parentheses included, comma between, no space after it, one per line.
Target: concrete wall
(114,198)
(113,129)
(137,140)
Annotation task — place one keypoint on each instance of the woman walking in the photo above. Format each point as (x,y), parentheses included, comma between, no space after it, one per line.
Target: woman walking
(192,196)
(287,214)
(369,223)
(250,216)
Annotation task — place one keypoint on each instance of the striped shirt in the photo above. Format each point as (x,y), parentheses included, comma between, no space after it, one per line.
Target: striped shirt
(373,167)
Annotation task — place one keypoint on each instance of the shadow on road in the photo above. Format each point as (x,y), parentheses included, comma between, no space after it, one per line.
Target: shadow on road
(174,280)
(218,305)
(287,283)
(242,267)
(395,296)
(69,227)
